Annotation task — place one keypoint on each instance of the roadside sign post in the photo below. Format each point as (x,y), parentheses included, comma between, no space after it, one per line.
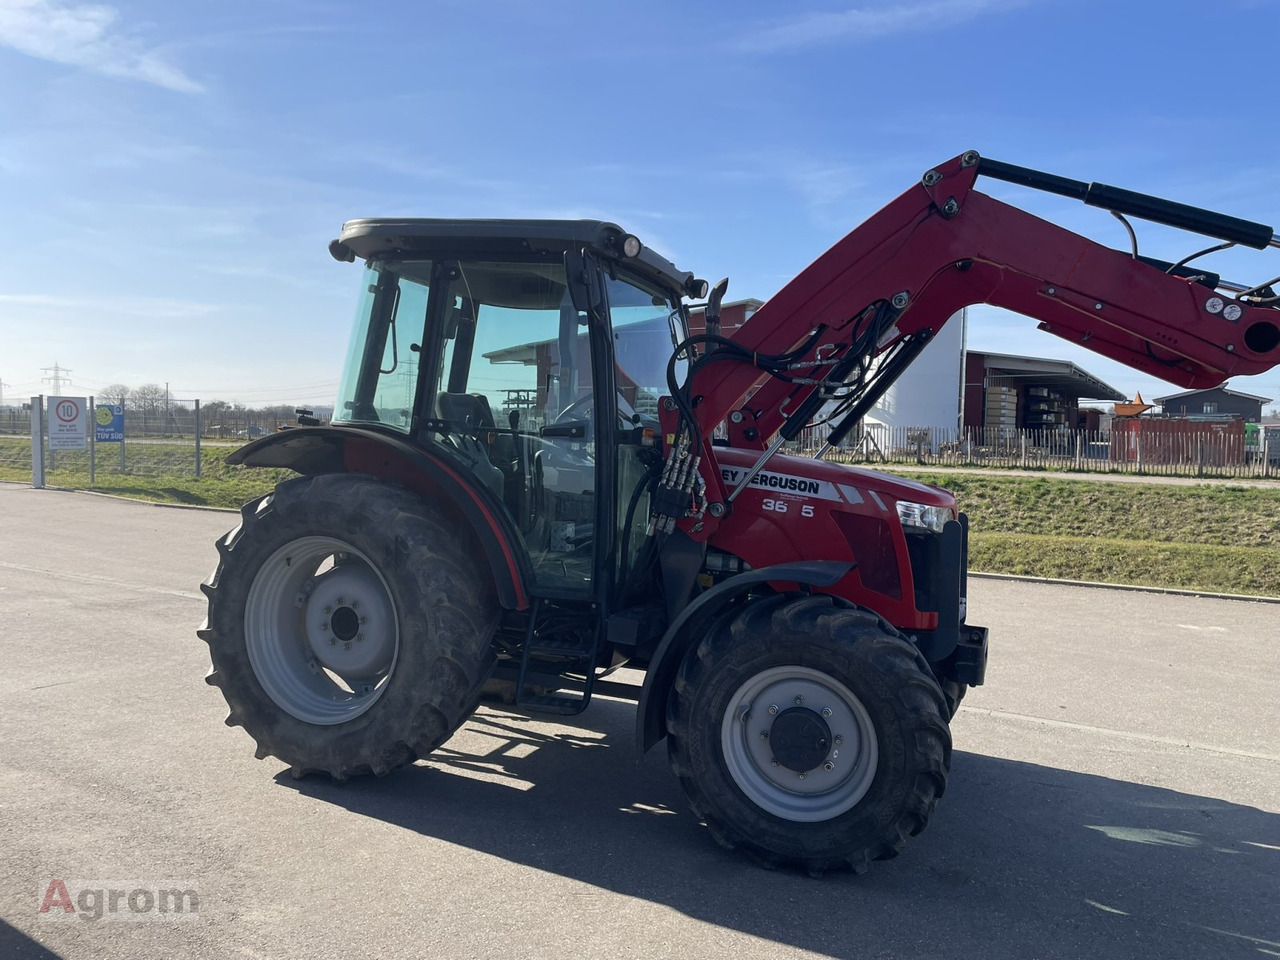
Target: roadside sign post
(197,438)
(37,442)
(93,449)
(108,427)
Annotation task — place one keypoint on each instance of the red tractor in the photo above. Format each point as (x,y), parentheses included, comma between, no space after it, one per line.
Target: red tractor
(535,476)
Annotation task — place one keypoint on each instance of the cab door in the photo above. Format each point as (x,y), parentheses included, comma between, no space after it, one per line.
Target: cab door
(518,360)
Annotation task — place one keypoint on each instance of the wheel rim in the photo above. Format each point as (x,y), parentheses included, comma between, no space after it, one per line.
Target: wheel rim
(789,771)
(321,630)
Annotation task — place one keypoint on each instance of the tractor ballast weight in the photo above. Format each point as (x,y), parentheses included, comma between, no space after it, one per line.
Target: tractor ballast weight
(536,476)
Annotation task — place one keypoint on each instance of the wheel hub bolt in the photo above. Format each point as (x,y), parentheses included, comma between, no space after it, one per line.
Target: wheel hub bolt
(803,775)
(839,740)
(799,700)
(359,636)
(828,766)
(764,734)
(346,645)
(333,641)
(773,709)
(328,609)
(363,621)
(826,711)
(773,763)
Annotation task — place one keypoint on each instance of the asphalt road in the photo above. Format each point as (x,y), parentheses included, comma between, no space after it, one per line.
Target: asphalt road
(1115,792)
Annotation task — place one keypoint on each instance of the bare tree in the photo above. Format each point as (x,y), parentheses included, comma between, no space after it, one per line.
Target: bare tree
(148,400)
(115,393)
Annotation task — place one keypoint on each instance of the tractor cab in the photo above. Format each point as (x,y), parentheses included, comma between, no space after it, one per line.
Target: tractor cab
(531,356)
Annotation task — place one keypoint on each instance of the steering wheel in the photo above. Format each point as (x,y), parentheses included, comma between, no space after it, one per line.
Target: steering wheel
(581,409)
(584,409)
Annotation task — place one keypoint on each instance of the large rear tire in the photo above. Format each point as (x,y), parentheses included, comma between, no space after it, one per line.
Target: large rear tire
(349,625)
(809,733)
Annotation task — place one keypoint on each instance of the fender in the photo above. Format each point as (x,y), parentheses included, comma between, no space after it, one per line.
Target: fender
(680,636)
(316,450)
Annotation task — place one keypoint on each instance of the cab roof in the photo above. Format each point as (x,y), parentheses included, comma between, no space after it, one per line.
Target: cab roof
(403,238)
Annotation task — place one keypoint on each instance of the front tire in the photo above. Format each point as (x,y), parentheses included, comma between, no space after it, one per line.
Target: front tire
(349,625)
(809,733)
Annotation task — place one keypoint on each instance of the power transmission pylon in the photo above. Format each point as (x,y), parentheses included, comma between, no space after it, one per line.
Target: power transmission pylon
(57,379)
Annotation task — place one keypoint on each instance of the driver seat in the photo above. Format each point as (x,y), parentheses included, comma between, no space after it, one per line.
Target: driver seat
(471,412)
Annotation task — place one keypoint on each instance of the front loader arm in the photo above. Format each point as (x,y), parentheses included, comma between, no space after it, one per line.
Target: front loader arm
(943,245)
(884,290)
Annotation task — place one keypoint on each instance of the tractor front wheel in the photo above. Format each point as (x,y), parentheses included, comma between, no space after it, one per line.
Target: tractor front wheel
(809,733)
(349,625)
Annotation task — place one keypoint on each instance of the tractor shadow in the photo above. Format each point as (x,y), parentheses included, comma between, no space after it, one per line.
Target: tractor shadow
(16,945)
(1020,860)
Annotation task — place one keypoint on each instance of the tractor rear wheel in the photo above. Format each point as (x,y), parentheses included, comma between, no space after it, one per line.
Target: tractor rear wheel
(809,733)
(349,625)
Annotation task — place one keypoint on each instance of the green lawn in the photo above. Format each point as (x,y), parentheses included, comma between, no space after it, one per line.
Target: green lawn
(162,472)
(1215,537)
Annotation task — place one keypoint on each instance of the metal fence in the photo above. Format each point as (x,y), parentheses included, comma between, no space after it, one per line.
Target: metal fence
(169,444)
(1196,453)
(15,439)
(156,444)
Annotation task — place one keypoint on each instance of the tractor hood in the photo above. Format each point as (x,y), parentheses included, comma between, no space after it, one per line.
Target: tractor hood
(788,474)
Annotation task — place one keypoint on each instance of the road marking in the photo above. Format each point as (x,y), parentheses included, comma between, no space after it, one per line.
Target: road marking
(1241,936)
(102,581)
(1104,907)
(1192,626)
(1123,734)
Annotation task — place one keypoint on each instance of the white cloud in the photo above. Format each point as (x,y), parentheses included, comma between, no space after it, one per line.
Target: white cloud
(87,36)
(865,23)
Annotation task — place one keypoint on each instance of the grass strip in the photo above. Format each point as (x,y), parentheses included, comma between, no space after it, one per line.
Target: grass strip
(1186,566)
(1208,514)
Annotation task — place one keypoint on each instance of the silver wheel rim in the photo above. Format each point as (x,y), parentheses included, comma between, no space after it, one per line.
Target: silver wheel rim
(321,630)
(836,782)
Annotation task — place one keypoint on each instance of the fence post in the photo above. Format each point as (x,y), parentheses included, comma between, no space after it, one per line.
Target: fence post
(122,432)
(197,439)
(37,442)
(1079,451)
(1024,449)
(1200,457)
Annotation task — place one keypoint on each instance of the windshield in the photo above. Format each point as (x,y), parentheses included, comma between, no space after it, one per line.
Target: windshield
(647,326)
(380,376)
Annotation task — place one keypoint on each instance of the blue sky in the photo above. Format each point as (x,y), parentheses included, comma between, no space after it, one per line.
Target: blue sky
(170,173)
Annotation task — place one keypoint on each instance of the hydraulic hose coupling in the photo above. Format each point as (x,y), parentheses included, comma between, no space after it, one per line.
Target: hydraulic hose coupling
(673,498)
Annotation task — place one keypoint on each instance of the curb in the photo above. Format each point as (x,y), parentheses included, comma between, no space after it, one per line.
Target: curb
(1129,587)
(145,503)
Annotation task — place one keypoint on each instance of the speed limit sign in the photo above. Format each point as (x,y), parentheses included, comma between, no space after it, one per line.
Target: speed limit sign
(67,423)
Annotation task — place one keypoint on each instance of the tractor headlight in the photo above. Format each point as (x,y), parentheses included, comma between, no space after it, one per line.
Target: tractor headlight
(923,517)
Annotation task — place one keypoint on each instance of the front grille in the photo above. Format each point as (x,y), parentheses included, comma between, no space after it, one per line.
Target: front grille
(925,552)
(871,540)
